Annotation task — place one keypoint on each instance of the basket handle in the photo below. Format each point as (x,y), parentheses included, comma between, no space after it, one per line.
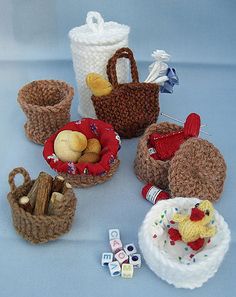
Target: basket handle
(12,175)
(123,52)
(95,21)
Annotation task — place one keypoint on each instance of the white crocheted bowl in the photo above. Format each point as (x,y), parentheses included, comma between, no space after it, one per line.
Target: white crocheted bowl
(177,263)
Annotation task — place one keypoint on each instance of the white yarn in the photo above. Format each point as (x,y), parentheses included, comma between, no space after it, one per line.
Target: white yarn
(92,45)
(178,274)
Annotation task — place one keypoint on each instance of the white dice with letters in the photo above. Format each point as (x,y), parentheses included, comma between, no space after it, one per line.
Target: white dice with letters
(135,260)
(116,245)
(130,249)
(114,268)
(106,258)
(114,234)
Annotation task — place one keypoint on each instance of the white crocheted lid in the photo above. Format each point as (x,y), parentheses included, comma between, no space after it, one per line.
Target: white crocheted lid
(98,32)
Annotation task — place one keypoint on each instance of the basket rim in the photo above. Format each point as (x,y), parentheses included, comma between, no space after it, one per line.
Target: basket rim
(61,103)
(219,250)
(15,206)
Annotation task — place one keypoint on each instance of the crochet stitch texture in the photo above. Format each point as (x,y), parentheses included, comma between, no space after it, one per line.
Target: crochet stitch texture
(46,104)
(42,228)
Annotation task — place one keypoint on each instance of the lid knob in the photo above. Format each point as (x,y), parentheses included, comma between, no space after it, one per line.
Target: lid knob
(95,21)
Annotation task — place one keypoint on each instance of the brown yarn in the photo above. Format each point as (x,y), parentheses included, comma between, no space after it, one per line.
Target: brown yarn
(38,229)
(148,169)
(130,107)
(46,104)
(85,180)
(197,170)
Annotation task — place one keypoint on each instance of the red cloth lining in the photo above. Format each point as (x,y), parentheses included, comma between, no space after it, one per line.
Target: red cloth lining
(91,128)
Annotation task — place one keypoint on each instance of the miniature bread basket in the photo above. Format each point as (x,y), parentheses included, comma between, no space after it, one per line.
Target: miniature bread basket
(87,174)
(197,168)
(178,264)
(46,104)
(38,228)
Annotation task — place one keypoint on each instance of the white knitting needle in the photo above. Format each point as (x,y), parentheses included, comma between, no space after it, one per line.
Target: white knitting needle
(179,121)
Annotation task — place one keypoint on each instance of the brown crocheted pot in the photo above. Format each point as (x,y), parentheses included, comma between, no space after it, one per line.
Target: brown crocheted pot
(148,169)
(42,228)
(85,181)
(197,170)
(46,104)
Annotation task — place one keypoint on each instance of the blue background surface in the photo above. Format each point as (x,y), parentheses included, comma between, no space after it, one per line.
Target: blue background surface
(200,35)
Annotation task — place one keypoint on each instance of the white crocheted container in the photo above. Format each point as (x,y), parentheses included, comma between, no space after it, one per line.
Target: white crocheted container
(191,269)
(92,45)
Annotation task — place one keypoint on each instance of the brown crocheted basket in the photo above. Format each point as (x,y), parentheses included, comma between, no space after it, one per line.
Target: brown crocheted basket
(197,169)
(42,228)
(148,169)
(46,104)
(130,107)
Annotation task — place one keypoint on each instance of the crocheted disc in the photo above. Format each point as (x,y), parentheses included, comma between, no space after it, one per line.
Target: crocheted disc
(197,170)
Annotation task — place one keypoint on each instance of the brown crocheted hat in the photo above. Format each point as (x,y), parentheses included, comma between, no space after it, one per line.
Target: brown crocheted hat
(197,170)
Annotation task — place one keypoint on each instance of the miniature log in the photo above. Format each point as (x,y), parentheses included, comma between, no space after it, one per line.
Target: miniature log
(24,203)
(44,187)
(58,184)
(56,204)
(67,186)
(33,192)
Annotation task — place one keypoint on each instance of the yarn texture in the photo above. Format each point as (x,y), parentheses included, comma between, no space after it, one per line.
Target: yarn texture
(46,104)
(88,180)
(176,264)
(197,170)
(147,168)
(92,45)
(84,174)
(42,228)
(130,107)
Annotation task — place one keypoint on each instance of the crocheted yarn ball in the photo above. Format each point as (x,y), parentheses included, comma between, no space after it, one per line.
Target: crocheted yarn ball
(197,170)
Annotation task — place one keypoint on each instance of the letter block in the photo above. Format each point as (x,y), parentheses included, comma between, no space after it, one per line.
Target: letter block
(114,268)
(127,271)
(106,258)
(130,249)
(135,260)
(114,234)
(121,257)
(116,245)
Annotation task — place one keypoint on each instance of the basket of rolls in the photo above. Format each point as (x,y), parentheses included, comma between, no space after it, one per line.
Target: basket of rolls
(84,152)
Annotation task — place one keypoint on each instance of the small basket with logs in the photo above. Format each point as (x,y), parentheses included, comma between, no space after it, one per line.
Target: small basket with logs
(42,209)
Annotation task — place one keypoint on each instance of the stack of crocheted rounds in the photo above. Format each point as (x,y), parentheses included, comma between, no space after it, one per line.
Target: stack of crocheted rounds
(42,228)
(148,169)
(197,170)
(46,104)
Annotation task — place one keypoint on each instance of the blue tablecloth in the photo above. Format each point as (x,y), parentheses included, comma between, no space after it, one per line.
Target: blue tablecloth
(71,266)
